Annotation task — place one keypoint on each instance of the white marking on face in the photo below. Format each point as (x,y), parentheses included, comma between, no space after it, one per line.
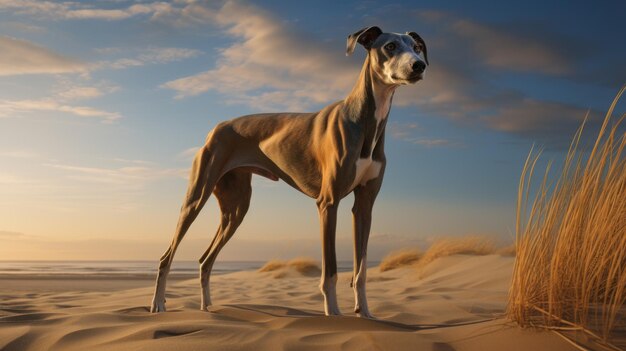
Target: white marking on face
(366,170)
(396,64)
(399,66)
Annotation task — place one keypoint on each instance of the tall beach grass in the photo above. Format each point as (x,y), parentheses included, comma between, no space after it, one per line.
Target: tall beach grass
(570,267)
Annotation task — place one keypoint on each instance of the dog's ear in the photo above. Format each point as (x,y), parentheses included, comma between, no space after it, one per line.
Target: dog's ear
(420,42)
(365,37)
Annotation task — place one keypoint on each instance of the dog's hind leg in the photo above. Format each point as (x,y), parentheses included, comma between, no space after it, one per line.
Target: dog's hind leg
(205,172)
(233,192)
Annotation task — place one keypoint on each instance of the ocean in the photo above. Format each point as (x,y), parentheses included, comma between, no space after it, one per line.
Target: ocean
(127,268)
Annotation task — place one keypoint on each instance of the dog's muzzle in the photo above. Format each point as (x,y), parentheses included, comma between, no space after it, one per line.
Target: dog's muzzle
(418,67)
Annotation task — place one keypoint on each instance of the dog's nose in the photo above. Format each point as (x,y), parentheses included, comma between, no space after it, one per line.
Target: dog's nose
(418,66)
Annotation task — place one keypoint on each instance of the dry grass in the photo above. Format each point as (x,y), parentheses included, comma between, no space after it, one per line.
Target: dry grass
(507,251)
(469,245)
(302,265)
(401,258)
(305,266)
(273,265)
(571,246)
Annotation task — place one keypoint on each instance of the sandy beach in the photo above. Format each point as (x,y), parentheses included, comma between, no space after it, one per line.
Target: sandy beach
(455,303)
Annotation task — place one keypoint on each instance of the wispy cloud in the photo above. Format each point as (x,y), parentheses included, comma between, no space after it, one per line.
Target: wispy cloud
(403,131)
(23,57)
(84,92)
(19,154)
(5,234)
(17,108)
(501,49)
(188,153)
(136,162)
(151,55)
(135,175)
(430,143)
(270,64)
(410,132)
(81,10)
(11,179)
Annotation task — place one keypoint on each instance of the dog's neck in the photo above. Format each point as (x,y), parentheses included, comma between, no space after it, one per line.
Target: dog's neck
(370,98)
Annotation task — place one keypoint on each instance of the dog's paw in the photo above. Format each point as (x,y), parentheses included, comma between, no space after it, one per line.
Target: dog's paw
(158,306)
(363,313)
(332,311)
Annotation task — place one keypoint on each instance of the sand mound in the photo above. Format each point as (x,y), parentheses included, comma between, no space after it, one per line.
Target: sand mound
(299,266)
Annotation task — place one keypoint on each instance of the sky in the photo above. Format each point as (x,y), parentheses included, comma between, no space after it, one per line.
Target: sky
(103,104)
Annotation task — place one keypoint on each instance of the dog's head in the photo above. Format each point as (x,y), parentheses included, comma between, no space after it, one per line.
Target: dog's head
(394,57)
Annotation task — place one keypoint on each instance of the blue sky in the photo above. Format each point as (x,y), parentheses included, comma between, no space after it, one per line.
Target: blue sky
(102,104)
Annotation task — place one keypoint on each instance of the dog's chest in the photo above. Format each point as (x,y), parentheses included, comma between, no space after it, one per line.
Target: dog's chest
(366,170)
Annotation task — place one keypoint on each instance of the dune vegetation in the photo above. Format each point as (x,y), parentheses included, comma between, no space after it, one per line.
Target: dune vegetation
(470,245)
(570,268)
(302,265)
(400,258)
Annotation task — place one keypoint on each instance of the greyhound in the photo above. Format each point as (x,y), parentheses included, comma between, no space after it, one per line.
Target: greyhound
(325,155)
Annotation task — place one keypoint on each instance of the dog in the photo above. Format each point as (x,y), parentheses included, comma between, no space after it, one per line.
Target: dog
(325,155)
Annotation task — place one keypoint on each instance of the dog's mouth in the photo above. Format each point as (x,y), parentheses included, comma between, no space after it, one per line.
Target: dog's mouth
(410,79)
(414,78)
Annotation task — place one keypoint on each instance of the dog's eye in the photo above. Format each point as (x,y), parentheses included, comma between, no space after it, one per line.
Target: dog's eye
(390,47)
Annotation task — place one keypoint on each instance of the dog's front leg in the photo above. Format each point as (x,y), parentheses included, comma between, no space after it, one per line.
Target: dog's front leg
(364,197)
(328,221)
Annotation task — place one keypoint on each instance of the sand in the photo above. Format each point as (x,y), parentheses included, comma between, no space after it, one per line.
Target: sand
(455,303)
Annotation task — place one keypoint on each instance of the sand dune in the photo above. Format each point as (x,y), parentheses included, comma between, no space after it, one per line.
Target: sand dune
(457,306)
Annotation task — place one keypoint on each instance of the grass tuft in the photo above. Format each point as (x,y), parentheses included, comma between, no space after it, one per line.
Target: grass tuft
(302,265)
(570,268)
(469,245)
(401,258)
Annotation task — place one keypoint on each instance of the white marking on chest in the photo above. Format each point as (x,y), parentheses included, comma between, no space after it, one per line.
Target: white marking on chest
(366,170)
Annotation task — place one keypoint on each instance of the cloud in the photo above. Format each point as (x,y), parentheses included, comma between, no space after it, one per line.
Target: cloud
(501,49)
(82,11)
(270,65)
(189,153)
(429,143)
(135,175)
(4,234)
(152,55)
(402,131)
(11,179)
(19,57)
(19,154)
(137,162)
(23,57)
(533,117)
(408,132)
(17,108)
(70,91)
